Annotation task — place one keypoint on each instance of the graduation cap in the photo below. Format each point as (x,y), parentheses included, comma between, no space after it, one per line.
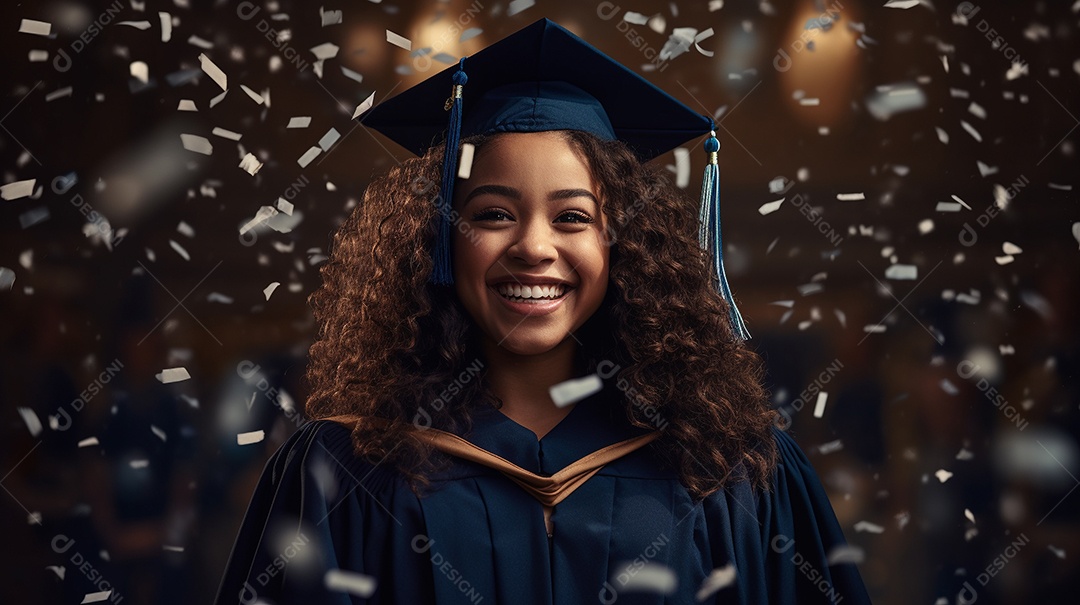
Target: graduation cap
(541,78)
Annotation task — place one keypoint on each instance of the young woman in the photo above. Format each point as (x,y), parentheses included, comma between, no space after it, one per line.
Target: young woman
(568,415)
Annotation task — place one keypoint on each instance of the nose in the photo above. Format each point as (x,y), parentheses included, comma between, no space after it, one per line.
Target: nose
(534,242)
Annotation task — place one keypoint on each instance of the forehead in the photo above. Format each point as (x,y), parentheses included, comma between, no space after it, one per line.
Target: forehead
(549,153)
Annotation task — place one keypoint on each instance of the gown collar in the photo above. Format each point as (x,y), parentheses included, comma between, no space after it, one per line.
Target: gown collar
(594,423)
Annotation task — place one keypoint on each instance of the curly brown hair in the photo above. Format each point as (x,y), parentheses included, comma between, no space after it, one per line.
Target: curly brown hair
(390,343)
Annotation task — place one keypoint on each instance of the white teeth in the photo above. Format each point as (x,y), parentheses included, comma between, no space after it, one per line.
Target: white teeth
(530,292)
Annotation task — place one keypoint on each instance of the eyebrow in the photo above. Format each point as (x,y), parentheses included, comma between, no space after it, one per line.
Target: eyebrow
(510,192)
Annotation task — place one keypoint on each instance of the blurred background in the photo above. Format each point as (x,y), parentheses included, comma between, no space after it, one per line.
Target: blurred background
(901,227)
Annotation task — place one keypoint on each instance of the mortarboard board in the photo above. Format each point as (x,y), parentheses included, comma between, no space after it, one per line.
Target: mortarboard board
(541,78)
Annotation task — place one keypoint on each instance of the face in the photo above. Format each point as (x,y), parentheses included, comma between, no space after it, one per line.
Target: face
(529,254)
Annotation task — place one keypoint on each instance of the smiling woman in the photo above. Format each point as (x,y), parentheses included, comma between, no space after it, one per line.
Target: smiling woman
(562,260)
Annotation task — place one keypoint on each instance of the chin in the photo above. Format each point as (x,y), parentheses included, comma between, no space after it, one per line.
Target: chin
(521,343)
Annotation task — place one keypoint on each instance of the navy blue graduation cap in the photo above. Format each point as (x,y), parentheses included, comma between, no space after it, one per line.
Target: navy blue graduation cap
(540,78)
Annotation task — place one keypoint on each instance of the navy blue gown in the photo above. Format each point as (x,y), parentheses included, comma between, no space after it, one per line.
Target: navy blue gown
(628,535)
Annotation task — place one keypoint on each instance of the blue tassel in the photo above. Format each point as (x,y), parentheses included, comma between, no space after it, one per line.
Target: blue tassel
(709,231)
(442,274)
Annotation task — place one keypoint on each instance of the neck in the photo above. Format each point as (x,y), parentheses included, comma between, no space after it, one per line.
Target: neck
(522,382)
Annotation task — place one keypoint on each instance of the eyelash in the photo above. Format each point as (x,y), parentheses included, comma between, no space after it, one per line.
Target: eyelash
(487,214)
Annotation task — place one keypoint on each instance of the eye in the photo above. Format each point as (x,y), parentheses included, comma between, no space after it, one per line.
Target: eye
(576,217)
(490,215)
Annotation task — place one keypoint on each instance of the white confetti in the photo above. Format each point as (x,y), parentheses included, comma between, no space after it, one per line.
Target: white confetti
(37,56)
(268,290)
(1003,260)
(819,406)
(186,105)
(139,25)
(831,446)
(250,164)
(196,143)
(179,250)
(398,40)
(350,582)
(140,71)
(95,597)
(30,418)
(516,6)
(942,135)
(333,17)
(16,190)
(943,475)
(901,272)
(58,93)
(651,577)
(213,71)
(717,579)
(38,28)
(218,297)
(682,167)
(284,206)
(969,515)
(327,141)
(1076,232)
(309,155)
(326,50)
(226,134)
(845,553)
(901,3)
(166,26)
(850,197)
(1010,248)
(249,438)
(1058,552)
(158,432)
(299,122)
(770,207)
(139,463)
(971,130)
(366,105)
(867,526)
(254,95)
(169,375)
(352,75)
(575,389)
(88,442)
(465,164)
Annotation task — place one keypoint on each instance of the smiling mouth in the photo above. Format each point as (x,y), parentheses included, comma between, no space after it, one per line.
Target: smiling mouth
(531,294)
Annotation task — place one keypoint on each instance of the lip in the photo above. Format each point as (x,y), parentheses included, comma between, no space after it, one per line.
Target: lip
(530,309)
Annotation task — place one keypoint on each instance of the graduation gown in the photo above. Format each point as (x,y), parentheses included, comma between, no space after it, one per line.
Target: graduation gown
(326,527)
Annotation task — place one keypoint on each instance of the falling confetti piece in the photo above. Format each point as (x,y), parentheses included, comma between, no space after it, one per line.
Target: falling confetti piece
(95,597)
(38,28)
(166,26)
(1010,248)
(850,197)
(88,442)
(717,579)
(971,130)
(254,95)
(830,447)
(349,582)
(139,25)
(250,164)
(16,190)
(249,438)
(179,250)
(682,167)
(213,71)
(366,105)
(575,389)
(943,475)
(901,3)
(218,297)
(268,290)
(867,526)
(1058,552)
(226,134)
(651,577)
(140,71)
(819,406)
(398,40)
(196,143)
(465,163)
(516,6)
(770,207)
(169,375)
(160,433)
(37,56)
(186,105)
(1003,260)
(284,206)
(171,548)
(140,463)
(845,553)
(309,155)
(1076,232)
(352,75)
(300,122)
(333,17)
(327,141)
(969,515)
(901,272)
(30,418)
